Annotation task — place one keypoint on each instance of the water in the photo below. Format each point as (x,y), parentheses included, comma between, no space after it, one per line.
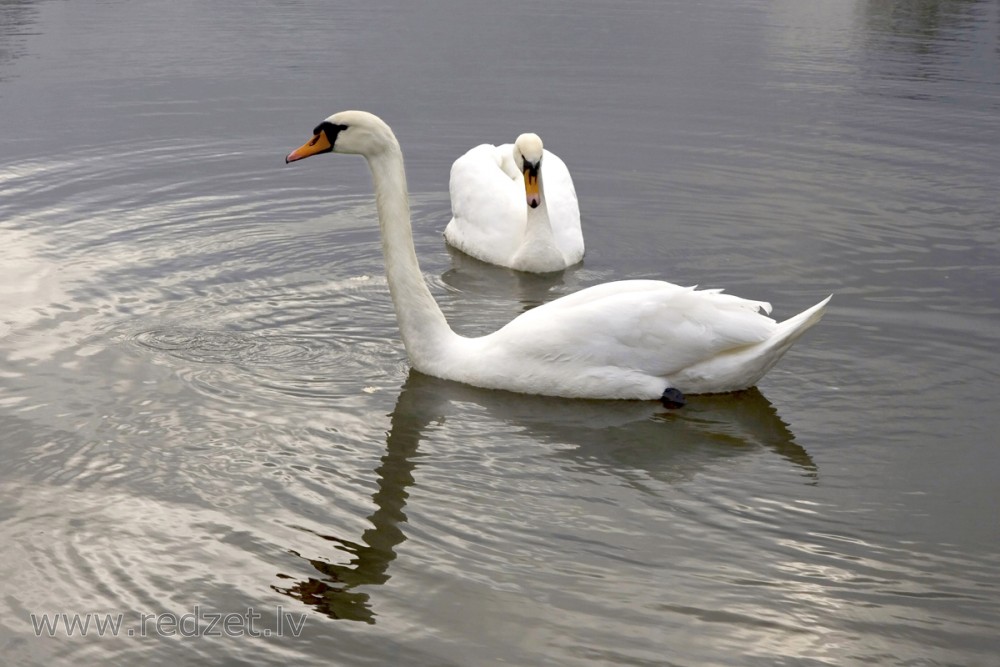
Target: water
(206,407)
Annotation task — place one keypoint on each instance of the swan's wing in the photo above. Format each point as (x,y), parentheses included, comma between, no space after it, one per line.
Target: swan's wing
(563,207)
(505,154)
(487,205)
(654,327)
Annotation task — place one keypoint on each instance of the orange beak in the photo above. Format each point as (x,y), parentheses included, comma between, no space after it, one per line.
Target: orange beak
(531,186)
(318,144)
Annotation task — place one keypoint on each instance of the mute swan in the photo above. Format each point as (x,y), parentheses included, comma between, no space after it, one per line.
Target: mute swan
(513,208)
(632,339)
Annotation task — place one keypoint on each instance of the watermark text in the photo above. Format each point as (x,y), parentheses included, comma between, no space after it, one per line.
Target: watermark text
(196,623)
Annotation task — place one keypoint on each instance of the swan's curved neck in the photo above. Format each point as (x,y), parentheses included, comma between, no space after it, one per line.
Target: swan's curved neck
(538,251)
(538,227)
(424,330)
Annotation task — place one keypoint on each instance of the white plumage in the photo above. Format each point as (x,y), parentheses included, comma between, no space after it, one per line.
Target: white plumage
(493,222)
(629,339)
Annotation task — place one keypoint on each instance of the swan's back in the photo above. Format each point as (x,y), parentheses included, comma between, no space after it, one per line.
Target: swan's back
(487,203)
(633,338)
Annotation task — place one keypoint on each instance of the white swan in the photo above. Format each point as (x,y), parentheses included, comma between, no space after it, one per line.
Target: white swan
(633,339)
(513,208)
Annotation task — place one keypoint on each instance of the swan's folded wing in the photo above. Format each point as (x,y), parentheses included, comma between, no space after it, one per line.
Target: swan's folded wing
(487,205)
(654,327)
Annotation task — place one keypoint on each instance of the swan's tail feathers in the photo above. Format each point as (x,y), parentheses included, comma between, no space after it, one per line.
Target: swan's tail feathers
(745,366)
(767,353)
(789,331)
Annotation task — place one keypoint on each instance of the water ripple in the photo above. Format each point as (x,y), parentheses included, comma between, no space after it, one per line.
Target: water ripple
(206,346)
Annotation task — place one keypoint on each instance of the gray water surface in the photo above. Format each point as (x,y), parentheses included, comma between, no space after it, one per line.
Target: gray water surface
(205,404)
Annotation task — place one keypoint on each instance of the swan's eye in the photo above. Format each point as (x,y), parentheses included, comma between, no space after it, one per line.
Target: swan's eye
(330,129)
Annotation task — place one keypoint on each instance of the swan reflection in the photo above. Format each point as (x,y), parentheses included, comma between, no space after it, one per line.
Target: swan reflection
(612,434)
(488,281)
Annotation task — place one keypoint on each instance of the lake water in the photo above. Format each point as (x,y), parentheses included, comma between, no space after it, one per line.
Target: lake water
(206,409)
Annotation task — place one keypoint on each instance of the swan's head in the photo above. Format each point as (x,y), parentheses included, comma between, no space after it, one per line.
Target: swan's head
(528,157)
(357,132)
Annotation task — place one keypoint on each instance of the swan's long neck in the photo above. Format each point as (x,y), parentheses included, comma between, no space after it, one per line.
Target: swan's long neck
(538,227)
(422,325)
(538,251)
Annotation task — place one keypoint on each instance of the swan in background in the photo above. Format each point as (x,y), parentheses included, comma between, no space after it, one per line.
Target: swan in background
(515,205)
(631,339)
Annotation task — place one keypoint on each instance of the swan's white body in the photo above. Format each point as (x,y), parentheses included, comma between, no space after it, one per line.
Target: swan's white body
(630,339)
(491,221)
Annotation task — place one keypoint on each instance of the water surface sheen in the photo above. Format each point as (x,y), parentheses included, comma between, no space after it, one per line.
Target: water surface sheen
(205,403)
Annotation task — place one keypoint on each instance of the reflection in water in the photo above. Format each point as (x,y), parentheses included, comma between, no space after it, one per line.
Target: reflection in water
(920,40)
(673,445)
(470,275)
(709,426)
(920,21)
(15,17)
(334,595)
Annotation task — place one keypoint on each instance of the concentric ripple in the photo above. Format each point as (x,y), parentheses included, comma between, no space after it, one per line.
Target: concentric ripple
(197,345)
(206,346)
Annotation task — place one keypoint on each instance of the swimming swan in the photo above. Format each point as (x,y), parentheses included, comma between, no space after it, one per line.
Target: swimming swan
(632,339)
(513,208)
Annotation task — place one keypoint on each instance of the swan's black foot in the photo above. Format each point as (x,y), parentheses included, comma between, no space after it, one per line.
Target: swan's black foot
(672,398)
